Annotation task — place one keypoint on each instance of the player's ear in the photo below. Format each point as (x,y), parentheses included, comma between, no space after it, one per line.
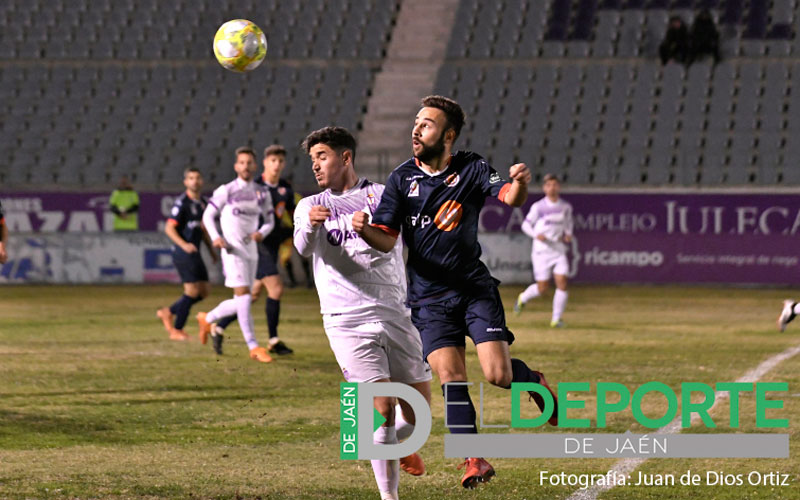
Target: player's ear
(450,135)
(347,157)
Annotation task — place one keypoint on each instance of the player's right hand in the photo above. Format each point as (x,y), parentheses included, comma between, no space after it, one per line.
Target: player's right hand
(220,243)
(541,237)
(189,247)
(318,215)
(360,221)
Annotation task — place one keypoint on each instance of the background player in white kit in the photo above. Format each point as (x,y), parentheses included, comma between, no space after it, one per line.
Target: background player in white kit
(549,223)
(362,292)
(239,204)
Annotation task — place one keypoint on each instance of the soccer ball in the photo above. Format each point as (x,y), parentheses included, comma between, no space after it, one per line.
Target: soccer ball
(240,45)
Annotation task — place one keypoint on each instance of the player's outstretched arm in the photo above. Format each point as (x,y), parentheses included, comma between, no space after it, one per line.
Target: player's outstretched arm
(374,236)
(518,192)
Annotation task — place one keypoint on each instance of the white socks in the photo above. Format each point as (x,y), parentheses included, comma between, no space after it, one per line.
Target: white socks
(246,319)
(530,293)
(559,303)
(403,428)
(796,308)
(387,472)
(225,308)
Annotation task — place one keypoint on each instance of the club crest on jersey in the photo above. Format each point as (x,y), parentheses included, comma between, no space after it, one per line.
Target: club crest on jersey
(413,190)
(495,178)
(452,180)
(449,215)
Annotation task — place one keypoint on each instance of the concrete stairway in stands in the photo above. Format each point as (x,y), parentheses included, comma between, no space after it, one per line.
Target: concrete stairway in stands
(415,53)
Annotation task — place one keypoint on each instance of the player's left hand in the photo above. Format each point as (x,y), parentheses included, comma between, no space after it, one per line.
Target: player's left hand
(257,237)
(520,173)
(567,238)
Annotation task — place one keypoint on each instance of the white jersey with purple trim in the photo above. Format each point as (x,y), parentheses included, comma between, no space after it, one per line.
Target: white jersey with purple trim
(355,282)
(239,204)
(551,219)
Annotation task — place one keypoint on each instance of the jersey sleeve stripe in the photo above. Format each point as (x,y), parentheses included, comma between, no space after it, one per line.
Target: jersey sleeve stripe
(388,230)
(503,192)
(172,221)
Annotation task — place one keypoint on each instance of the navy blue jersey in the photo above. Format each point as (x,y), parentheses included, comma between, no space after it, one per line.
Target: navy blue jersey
(438,217)
(282,203)
(187,215)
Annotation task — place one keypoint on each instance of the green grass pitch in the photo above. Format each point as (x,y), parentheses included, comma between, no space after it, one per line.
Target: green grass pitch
(95,402)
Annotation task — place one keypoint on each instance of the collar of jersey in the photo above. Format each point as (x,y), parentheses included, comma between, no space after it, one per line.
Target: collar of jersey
(446,167)
(358,185)
(241,182)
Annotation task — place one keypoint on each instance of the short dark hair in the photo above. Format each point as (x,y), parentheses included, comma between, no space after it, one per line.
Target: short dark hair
(190,170)
(247,150)
(274,149)
(550,177)
(337,138)
(452,110)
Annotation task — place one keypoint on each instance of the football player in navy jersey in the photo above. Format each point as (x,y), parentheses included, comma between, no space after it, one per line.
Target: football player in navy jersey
(185,229)
(434,199)
(267,275)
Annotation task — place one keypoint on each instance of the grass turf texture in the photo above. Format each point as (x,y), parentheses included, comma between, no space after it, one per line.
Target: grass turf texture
(97,403)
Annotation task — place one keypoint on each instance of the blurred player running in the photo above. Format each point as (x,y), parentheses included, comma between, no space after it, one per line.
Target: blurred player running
(435,198)
(267,274)
(361,292)
(239,204)
(185,229)
(549,223)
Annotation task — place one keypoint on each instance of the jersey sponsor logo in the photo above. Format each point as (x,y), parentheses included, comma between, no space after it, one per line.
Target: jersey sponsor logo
(449,215)
(495,178)
(418,220)
(452,180)
(413,189)
(241,211)
(336,237)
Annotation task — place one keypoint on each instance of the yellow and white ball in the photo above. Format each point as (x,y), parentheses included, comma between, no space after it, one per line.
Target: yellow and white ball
(240,45)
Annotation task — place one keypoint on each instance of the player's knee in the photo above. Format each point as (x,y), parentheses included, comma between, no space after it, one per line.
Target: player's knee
(500,378)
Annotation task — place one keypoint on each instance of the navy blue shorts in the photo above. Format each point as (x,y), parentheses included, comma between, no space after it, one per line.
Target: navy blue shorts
(190,267)
(267,261)
(448,322)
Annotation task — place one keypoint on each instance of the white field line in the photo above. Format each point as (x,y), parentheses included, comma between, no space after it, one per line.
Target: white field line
(627,465)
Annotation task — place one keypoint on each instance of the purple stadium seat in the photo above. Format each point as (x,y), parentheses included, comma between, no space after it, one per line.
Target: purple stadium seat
(757,21)
(782,31)
(732,12)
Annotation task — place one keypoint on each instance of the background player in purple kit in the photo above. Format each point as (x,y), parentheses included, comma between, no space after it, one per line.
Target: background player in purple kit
(434,198)
(185,228)
(267,275)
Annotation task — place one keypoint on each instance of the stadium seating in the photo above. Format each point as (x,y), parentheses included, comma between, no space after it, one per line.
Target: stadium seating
(91,90)
(578,90)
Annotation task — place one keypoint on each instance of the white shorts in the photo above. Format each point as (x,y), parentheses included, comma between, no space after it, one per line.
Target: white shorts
(380,350)
(239,268)
(545,264)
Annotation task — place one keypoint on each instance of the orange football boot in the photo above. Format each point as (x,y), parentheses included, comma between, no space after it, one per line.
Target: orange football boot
(260,354)
(413,464)
(478,471)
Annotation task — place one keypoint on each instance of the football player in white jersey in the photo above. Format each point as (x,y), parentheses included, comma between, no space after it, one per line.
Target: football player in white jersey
(549,223)
(362,293)
(238,204)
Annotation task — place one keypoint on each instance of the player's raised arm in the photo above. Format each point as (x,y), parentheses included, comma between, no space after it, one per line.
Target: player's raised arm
(517,192)
(382,230)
